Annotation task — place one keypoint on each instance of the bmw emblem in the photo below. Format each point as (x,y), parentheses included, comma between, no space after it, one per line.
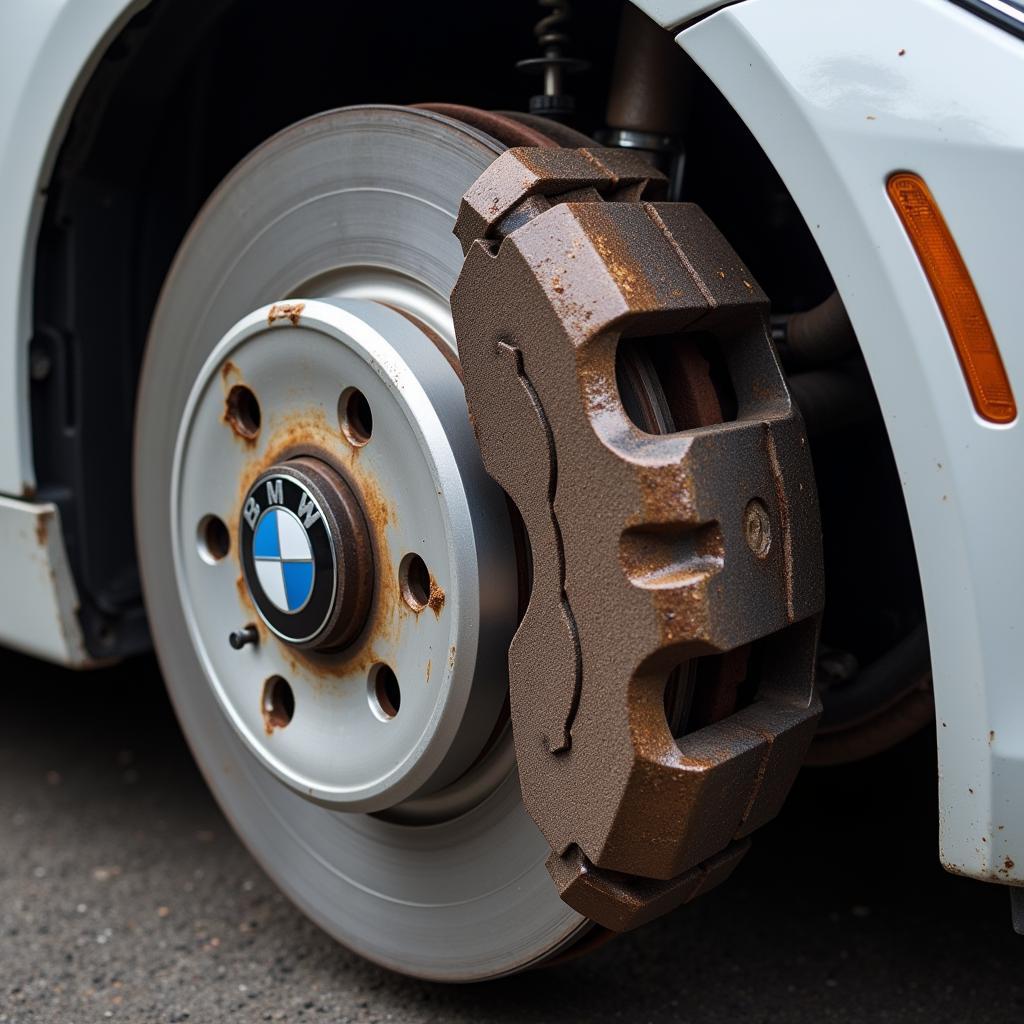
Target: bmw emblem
(306,554)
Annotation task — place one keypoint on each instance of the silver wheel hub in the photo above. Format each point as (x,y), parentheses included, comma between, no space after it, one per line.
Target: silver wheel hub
(366,545)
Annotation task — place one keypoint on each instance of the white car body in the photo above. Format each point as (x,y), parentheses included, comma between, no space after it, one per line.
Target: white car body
(839,95)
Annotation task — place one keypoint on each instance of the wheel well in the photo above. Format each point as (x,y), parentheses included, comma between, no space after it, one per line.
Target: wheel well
(181,95)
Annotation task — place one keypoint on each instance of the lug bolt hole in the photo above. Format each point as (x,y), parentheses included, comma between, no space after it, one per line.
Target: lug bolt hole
(212,539)
(384,692)
(278,703)
(243,412)
(414,579)
(355,416)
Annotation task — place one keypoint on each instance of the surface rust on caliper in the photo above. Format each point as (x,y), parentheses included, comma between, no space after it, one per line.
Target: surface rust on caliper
(640,550)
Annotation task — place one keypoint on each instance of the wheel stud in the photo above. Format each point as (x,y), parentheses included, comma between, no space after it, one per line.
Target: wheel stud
(241,637)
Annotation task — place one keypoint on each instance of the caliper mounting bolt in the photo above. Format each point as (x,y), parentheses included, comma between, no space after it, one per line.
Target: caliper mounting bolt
(757,528)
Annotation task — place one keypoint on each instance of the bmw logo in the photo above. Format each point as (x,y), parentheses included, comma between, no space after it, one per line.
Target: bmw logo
(306,554)
(283,555)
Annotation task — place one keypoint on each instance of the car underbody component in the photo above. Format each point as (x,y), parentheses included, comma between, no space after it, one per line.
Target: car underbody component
(651,550)
(834,398)
(822,335)
(874,682)
(872,708)
(553,65)
(649,98)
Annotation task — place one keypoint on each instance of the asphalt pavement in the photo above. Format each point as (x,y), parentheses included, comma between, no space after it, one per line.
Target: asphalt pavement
(125,896)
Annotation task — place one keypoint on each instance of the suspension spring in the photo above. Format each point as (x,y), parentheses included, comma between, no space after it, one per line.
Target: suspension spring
(553,66)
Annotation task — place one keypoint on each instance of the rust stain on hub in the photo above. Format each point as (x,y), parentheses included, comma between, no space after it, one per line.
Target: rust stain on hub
(273,715)
(435,602)
(237,395)
(235,416)
(310,433)
(291,311)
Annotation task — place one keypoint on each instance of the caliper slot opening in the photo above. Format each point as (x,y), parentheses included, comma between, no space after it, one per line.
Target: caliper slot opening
(702,691)
(674,382)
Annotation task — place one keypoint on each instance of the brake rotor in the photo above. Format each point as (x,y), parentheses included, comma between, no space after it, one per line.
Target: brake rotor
(322,264)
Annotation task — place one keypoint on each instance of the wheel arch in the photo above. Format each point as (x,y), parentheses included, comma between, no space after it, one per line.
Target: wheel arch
(862,90)
(113,92)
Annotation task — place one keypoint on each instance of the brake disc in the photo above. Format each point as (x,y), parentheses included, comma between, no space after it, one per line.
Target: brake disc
(323,264)
(651,548)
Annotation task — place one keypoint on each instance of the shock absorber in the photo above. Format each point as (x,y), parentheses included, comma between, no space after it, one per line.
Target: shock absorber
(649,100)
(553,66)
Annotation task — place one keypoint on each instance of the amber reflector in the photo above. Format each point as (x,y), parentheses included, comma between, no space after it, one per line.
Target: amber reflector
(954,291)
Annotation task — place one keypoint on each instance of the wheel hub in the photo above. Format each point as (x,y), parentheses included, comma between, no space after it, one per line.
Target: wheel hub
(368,540)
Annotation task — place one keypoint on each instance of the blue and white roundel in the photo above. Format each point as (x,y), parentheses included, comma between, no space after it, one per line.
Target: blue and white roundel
(283,559)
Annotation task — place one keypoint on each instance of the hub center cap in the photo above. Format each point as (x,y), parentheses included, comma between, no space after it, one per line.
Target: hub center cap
(306,554)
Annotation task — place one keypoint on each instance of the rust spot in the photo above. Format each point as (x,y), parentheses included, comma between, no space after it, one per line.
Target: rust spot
(429,666)
(1008,864)
(286,311)
(628,277)
(436,600)
(242,412)
(228,371)
(309,432)
(991,735)
(42,530)
(276,704)
(28,490)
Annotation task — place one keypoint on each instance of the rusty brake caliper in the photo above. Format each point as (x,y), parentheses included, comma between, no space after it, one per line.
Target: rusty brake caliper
(649,551)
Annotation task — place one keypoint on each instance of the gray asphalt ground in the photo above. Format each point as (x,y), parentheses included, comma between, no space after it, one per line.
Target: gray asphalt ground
(124,895)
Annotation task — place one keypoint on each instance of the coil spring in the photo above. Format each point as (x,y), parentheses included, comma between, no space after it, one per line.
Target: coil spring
(549,31)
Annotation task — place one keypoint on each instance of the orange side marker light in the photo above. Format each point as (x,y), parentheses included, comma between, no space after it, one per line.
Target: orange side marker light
(958,300)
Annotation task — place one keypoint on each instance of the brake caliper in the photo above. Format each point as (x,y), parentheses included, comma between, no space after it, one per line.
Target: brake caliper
(696,551)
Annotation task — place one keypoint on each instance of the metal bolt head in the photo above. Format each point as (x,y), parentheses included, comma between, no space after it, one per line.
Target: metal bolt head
(242,637)
(757,528)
